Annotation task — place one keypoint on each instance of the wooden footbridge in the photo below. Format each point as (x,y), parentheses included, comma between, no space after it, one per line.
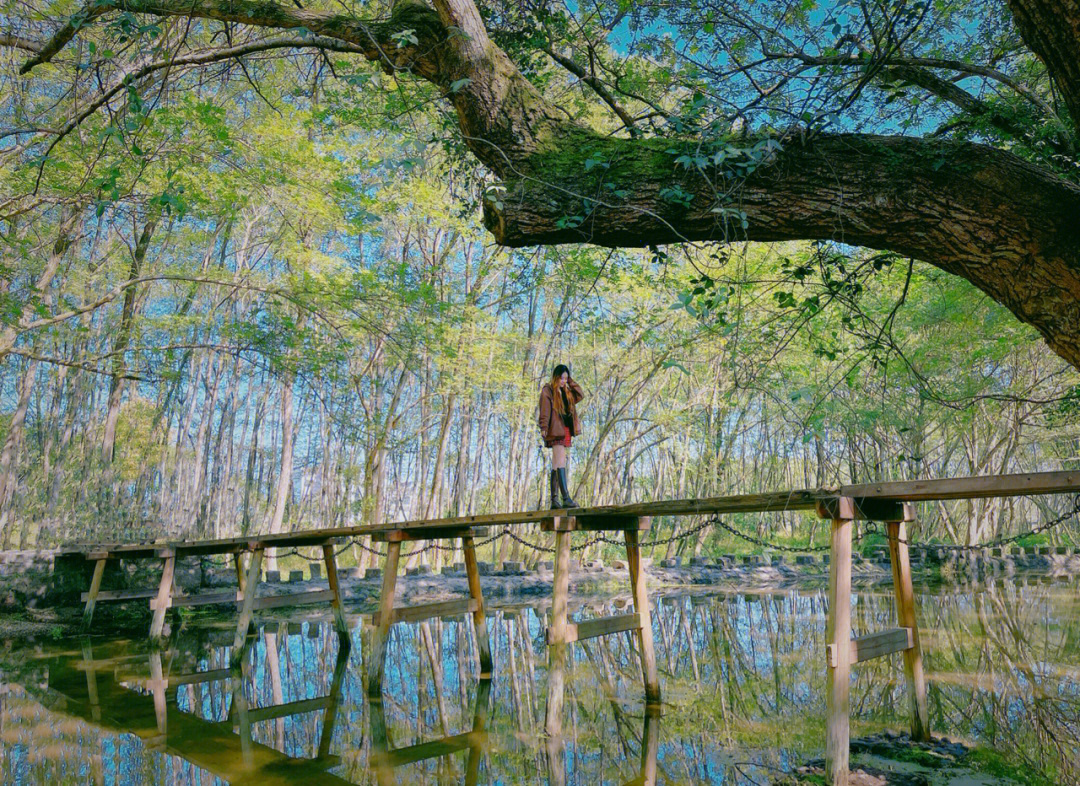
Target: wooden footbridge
(891,503)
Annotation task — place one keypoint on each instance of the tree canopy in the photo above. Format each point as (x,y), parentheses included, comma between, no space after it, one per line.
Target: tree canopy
(945,131)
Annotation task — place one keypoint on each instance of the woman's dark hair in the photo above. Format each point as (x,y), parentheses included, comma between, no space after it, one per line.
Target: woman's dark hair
(560,370)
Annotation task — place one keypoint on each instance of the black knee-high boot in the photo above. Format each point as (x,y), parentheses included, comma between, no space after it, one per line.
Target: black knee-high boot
(553,482)
(567,500)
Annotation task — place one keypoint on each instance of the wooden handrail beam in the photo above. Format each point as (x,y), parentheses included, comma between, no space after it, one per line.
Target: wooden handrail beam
(606,523)
(428,533)
(425,611)
(431,750)
(875,645)
(289,708)
(601,626)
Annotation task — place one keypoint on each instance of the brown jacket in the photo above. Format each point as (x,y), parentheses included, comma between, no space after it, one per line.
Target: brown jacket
(551,426)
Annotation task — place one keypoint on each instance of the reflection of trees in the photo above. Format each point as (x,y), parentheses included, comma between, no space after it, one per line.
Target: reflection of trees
(1009,674)
(742,673)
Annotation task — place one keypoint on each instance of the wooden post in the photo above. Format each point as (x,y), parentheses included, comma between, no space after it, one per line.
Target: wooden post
(238,566)
(247,609)
(239,711)
(91,679)
(381,635)
(95,587)
(159,688)
(556,756)
(483,642)
(164,596)
(641,605)
(332,578)
(905,613)
(838,634)
(557,647)
(379,761)
(480,716)
(326,737)
(650,747)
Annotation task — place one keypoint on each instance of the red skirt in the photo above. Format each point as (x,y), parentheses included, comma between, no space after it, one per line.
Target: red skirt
(565,441)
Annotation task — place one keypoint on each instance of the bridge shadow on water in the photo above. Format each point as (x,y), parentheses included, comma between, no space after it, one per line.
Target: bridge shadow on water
(742,677)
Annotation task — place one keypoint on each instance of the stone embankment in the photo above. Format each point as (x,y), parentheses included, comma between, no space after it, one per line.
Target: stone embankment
(31,579)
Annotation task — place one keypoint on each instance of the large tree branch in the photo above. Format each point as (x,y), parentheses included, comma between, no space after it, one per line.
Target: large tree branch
(917,70)
(502,116)
(986,215)
(1052,29)
(957,96)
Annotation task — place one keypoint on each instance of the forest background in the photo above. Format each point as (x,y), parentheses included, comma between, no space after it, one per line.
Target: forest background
(252,293)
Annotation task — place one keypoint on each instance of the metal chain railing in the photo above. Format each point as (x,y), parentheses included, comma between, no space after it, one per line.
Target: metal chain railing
(871,528)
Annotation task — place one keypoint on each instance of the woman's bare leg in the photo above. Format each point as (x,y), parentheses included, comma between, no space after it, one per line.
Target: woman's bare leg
(558,456)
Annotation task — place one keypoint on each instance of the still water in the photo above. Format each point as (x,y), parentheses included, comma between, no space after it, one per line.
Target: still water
(742,675)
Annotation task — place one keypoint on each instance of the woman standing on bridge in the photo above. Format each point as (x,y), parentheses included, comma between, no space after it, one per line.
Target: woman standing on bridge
(559,423)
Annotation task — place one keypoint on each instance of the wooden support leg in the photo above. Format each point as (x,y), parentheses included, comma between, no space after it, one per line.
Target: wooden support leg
(332,578)
(239,711)
(381,634)
(157,679)
(91,680)
(480,716)
(380,744)
(483,642)
(557,647)
(650,747)
(95,587)
(247,609)
(164,596)
(838,634)
(641,605)
(238,566)
(330,716)
(905,612)
(556,756)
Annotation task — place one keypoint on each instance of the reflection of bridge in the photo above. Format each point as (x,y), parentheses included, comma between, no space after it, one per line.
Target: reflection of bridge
(136,694)
(106,692)
(887,502)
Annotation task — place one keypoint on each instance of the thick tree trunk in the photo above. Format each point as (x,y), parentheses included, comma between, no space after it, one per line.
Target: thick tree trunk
(1052,29)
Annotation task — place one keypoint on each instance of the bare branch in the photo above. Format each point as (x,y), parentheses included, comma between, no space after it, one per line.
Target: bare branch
(595,84)
(18,42)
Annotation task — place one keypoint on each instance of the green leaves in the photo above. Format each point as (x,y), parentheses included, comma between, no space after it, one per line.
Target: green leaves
(677,194)
(406,36)
(596,160)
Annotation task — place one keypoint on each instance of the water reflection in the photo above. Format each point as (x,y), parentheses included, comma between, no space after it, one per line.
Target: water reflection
(385,759)
(742,675)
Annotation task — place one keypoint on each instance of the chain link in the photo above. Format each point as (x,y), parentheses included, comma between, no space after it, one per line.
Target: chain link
(1047,525)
